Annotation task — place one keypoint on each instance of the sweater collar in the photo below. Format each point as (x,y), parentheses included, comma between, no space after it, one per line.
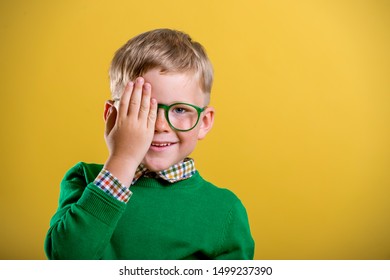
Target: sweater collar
(178,172)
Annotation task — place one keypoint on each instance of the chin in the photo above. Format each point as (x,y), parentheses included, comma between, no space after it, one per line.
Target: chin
(156,166)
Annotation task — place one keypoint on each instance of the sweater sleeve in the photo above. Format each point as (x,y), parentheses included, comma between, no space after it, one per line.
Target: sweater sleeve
(236,242)
(85,219)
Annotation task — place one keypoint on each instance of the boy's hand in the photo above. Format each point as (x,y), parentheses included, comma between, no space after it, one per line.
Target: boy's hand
(129,131)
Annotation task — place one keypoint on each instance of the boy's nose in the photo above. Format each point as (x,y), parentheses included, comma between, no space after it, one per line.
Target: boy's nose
(161,122)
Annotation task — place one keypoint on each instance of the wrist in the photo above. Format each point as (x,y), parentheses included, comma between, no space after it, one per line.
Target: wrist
(122,168)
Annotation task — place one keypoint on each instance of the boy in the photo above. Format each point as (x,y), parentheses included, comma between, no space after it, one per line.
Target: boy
(160,83)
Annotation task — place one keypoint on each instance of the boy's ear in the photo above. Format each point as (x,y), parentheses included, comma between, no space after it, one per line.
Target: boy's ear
(207,121)
(107,107)
(109,116)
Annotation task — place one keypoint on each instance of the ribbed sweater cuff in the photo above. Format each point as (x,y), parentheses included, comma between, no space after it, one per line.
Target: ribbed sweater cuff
(100,205)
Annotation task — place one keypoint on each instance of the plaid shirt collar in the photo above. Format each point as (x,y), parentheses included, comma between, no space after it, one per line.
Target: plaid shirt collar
(180,171)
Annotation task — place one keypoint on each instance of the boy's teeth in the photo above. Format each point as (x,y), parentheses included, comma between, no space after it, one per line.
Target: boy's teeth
(161,145)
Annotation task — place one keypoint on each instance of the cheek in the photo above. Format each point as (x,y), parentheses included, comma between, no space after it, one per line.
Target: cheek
(189,139)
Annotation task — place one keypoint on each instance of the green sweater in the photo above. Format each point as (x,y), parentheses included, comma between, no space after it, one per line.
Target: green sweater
(190,219)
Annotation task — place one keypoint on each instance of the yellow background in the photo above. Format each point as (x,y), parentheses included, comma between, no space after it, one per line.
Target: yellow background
(302,94)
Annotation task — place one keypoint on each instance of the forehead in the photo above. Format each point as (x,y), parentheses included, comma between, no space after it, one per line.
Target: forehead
(169,87)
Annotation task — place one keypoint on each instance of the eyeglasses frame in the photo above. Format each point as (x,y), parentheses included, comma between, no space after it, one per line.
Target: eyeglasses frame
(166,110)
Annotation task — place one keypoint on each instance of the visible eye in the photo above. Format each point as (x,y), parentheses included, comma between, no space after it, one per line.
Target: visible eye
(179,110)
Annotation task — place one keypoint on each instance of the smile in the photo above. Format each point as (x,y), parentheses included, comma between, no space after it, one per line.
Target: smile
(161,145)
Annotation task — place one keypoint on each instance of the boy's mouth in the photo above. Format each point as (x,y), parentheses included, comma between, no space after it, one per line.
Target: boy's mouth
(161,146)
(155,144)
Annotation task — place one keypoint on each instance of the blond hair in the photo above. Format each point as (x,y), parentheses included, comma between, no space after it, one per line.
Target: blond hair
(171,51)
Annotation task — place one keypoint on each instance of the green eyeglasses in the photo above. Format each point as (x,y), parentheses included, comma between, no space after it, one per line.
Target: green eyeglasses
(182,116)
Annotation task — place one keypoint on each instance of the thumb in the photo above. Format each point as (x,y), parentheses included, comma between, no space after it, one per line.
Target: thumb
(152,113)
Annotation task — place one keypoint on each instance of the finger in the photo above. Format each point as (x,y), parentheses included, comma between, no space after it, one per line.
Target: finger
(152,116)
(135,98)
(145,102)
(125,99)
